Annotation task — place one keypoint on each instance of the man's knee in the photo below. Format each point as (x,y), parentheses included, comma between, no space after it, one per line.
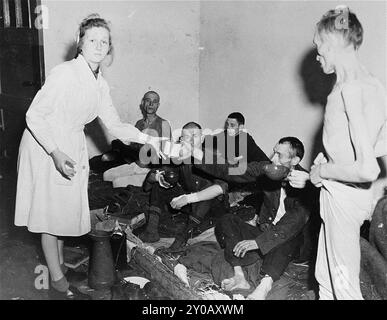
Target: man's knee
(200,209)
(224,229)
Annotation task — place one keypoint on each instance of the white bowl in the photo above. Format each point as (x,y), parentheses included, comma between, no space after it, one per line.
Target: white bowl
(137,280)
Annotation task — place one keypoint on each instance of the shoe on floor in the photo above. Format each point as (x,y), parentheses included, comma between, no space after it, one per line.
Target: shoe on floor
(177,245)
(74,294)
(71,294)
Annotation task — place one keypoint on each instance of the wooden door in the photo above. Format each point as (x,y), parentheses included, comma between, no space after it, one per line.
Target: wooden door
(21,76)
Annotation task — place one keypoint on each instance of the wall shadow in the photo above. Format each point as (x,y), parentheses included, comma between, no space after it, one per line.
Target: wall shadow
(317,86)
(70,51)
(95,131)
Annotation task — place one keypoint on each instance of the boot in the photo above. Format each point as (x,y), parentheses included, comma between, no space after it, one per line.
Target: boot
(151,233)
(182,237)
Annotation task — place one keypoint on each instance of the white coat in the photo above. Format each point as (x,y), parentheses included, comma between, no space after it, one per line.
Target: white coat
(71,97)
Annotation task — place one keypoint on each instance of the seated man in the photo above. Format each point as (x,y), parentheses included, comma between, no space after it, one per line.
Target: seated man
(152,124)
(194,194)
(234,141)
(277,234)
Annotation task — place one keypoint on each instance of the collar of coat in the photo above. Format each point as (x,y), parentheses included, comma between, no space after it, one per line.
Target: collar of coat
(83,63)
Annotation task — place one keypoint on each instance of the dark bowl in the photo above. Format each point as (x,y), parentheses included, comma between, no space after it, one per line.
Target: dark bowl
(276,172)
(171,176)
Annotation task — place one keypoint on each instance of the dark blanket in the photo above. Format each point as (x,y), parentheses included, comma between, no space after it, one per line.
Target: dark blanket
(208,257)
(199,256)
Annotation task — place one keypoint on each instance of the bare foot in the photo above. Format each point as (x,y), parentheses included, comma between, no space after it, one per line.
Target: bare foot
(236,282)
(260,292)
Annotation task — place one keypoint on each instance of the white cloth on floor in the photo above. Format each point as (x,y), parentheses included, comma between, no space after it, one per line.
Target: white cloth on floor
(343,210)
(126,174)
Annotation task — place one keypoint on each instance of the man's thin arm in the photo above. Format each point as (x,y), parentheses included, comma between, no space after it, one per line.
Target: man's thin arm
(208,193)
(237,174)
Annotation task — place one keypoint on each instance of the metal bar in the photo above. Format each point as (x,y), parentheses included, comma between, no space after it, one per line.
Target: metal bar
(18,12)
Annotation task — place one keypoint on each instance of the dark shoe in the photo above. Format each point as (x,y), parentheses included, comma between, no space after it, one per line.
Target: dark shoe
(71,294)
(182,238)
(151,233)
(73,276)
(177,245)
(74,294)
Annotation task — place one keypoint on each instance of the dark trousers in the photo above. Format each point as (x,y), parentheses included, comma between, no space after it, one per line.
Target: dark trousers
(310,233)
(231,229)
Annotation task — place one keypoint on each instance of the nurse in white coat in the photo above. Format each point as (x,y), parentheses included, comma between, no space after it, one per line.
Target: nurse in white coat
(53,168)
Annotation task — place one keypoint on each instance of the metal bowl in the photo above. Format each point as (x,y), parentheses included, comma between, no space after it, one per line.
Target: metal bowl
(276,172)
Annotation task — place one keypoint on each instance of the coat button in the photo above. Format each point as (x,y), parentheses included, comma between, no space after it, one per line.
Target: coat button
(270,218)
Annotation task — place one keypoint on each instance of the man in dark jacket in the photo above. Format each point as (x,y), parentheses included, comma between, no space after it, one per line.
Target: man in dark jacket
(191,192)
(276,235)
(235,141)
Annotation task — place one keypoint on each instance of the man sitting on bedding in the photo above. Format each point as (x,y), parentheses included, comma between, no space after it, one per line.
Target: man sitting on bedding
(193,194)
(276,235)
(134,171)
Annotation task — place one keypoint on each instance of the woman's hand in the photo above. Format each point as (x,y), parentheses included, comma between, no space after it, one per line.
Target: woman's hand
(186,151)
(63,163)
(155,142)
